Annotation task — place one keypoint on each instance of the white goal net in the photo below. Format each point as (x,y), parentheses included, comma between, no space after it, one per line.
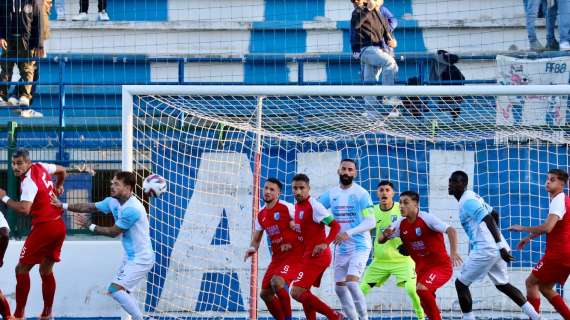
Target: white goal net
(203,139)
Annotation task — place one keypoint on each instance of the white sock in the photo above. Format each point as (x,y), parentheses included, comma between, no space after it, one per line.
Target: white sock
(128,303)
(528,309)
(468,316)
(358,298)
(346,302)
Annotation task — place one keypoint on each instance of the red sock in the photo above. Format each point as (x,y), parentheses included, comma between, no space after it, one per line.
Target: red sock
(274,307)
(535,303)
(4,307)
(48,292)
(316,304)
(427,300)
(310,313)
(558,303)
(22,290)
(285,302)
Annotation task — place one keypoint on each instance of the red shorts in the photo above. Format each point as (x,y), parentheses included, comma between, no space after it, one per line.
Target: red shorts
(434,276)
(311,271)
(549,270)
(44,242)
(285,269)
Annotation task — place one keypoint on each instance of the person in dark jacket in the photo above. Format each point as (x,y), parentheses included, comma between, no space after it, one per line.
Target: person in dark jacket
(20,37)
(370,37)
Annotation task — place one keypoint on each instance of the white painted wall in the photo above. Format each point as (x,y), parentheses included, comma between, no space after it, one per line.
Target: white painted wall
(82,276)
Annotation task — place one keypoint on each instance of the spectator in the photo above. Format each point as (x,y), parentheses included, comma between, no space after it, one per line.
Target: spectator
(549,8)
(370,36)
(564,24)
(20,38)
(84,7)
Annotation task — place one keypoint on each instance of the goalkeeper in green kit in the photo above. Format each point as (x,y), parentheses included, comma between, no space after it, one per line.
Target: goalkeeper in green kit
(388,261)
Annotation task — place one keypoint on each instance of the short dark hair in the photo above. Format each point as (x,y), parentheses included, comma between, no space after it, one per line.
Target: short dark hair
(301,177)
(276,181)
(460,176)
(412,194)
(349,160)
(21,153)
(127,178)
(385,183)
(560,174)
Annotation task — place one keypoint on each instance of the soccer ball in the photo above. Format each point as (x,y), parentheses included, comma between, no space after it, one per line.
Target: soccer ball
(154,185)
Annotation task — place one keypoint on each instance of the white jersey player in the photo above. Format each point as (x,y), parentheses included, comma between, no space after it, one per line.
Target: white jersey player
(351,206)
(132,223)
(488,251)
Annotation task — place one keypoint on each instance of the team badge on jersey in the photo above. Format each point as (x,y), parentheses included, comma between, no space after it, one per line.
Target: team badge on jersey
(276,216)
(394,218)
(418,231)
(301,214)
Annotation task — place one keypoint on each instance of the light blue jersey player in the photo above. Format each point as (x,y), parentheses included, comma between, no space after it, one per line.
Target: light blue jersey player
(131,222)
(351,205)
(488,250)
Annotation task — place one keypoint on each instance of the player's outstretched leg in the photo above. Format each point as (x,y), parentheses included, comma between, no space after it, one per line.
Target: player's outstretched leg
(128,302)
(465,300)
(272,303)
(427,298)
(307,299)
(516,295)
(555,299)
(280,288)
(22,289)
(4,307)
(48,287)
(346,301)
(410,287)
(357,297)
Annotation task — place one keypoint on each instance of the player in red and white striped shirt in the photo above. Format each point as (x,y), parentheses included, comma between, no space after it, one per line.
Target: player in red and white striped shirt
(422,238)
(4,239)
(277,218)
(43,245)
(554,267)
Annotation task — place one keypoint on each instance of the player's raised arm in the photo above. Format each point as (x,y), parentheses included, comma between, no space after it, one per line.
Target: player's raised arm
(4,237)
(546,227)
(60,173)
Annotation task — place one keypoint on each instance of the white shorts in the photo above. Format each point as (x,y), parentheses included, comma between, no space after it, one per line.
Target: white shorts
(130,274)
(3,222)
(479,264)
(352,264)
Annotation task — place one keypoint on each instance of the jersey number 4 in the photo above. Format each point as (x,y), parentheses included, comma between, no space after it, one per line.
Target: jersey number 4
(48,184)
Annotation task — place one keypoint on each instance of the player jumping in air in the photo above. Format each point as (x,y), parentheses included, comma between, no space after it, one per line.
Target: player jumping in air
(132,223)
(310,220)
(286,249)
(4,239)
(351,207)
(388,261)
(43,245)
(554,267)
(422,237)
(489,252)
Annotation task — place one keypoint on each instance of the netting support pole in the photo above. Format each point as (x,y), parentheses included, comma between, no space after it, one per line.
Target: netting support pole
(255,207)
(12,185)
(127,130)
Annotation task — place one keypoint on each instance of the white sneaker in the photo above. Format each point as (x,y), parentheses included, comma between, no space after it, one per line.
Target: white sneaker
(564,46)
(24,101)
(82,16)
(13,101)
(29,113)
(103,16)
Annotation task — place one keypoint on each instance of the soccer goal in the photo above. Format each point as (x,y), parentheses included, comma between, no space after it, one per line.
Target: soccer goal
(216,144)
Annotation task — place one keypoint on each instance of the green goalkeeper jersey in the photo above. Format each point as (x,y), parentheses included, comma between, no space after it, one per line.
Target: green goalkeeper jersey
(387,252)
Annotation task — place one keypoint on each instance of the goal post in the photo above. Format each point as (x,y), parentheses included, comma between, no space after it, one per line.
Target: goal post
(216,145)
